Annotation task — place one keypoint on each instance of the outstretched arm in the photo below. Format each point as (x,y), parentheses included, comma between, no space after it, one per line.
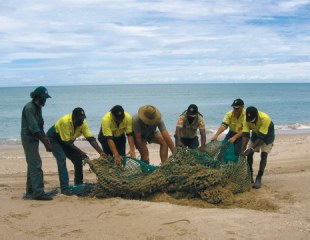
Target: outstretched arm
(168,140)
(202,140)
(235,137)
(142,148)
(131,143)
(118,158)
(95,145)
(178,141)
(221,129)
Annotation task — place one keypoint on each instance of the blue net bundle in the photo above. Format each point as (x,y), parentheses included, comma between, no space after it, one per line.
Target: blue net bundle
(214,176)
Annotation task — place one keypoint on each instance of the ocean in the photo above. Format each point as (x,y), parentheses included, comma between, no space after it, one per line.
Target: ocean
(288,104)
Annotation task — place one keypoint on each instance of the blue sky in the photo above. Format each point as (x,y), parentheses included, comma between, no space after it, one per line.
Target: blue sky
(64,42)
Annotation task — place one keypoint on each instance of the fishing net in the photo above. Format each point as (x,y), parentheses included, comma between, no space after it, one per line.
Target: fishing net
(214,175)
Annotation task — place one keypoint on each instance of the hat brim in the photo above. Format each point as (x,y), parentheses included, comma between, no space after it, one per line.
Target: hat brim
(45,95)
(249,119)
(146,120)
(119,118)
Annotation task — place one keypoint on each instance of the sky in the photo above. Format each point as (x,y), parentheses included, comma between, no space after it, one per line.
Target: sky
(87,42)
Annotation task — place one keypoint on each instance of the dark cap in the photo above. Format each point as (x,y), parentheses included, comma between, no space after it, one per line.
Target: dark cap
(40,92)
(78,113)
(118,112)
(192,110)
(237,103)
(251,114)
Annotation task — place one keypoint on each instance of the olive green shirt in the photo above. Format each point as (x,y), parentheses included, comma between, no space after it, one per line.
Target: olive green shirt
(32,120)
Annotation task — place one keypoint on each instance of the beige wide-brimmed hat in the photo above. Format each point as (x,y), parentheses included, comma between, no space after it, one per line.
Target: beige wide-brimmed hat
(149,114)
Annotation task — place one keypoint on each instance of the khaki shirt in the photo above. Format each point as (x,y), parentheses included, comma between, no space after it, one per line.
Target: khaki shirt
(190,130)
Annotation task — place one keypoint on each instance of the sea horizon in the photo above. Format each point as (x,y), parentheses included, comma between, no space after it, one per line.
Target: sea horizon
(159,83)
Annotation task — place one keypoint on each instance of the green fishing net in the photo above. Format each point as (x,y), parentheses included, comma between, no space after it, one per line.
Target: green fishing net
(213,176)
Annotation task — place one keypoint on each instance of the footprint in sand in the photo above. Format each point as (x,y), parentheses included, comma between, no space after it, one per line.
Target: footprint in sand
(72,233)
(19,216)
(123,214)
(4,185)
(179,227)
(36,205)
(41,232)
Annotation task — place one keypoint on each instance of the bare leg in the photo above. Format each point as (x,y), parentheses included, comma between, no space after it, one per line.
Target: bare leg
(144,152)
(158,139)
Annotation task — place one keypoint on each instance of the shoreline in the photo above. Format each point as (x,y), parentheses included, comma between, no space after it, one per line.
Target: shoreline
(14,143)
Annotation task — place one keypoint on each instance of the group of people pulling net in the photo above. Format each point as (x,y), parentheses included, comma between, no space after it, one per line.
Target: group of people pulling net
(213,176)
(195,169)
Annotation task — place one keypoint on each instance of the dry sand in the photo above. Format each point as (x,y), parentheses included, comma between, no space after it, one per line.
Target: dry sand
(279,210)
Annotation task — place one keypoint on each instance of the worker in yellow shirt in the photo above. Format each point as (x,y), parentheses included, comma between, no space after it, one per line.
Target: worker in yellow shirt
(258,135)
(62,135)
(234,121)
(114,126)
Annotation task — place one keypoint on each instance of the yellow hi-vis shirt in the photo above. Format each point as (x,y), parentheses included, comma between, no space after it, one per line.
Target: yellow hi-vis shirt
(261,126)
(234,124)
(110,128)
(64,127)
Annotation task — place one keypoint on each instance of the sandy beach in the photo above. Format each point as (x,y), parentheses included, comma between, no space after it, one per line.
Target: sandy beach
(279,210)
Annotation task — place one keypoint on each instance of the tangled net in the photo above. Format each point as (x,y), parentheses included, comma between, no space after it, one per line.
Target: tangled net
(214,176)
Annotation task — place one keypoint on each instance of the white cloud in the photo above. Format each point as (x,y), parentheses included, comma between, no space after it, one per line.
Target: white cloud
(153,41)
(136,30)
(9,24)
(292,5)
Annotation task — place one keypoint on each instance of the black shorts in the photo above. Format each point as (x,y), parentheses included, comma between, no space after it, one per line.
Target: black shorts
(120,143)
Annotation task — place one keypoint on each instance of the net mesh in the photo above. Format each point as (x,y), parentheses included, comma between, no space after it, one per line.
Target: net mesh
(214,175)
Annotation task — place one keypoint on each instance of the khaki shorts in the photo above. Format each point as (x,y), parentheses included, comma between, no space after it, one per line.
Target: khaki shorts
(263,148)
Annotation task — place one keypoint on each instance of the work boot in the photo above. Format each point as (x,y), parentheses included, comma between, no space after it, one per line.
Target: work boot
(66,192)
(258,182)
(27,196)
(43,197)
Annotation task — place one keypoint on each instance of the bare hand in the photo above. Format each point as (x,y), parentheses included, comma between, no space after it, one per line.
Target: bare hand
(214,138)
(202,149)
(179,144)
(132,154)
(118,160)
(48,147)
(102,154)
